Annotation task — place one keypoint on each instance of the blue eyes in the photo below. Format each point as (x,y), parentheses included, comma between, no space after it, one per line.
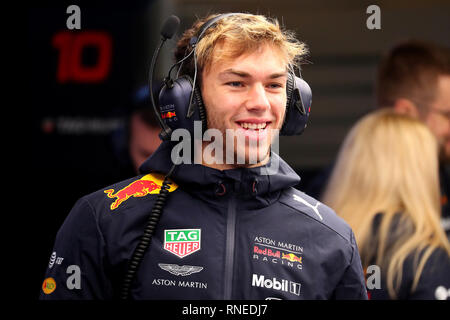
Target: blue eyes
(238,84)
(235,84)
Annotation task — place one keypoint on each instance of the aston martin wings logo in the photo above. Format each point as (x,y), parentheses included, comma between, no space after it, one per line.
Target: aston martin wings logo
(180,270)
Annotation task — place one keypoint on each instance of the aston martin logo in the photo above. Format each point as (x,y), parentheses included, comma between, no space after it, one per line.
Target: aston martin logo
(180,270)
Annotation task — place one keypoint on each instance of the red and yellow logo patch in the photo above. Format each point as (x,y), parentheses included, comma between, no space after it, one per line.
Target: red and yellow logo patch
(148,184)
(291,257)
(49,285)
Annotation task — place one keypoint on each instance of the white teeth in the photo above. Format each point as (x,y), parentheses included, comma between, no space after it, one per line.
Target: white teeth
(253,126)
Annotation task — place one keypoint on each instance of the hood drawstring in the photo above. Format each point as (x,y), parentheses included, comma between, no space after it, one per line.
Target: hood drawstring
(220,188)
(254,185)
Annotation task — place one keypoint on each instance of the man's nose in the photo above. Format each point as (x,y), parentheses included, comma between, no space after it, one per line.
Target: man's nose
(257,99)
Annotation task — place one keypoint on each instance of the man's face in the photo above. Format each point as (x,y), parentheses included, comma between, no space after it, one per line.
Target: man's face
(247,95)
(438,117)
(144,140)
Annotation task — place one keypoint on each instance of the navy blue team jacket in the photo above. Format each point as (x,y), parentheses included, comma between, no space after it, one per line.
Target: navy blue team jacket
(232,234)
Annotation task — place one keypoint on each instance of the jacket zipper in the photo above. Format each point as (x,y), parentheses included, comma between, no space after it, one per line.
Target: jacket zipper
(230,243)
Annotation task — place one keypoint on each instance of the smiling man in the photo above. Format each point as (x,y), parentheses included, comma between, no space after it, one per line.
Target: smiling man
(246,96)
(220,229)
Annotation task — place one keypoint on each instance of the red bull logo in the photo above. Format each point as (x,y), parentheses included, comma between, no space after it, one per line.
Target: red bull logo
(292,257)
(149,184)
(169,114)
(267,252)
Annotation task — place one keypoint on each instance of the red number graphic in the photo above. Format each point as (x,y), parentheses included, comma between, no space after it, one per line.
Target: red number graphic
(71,46)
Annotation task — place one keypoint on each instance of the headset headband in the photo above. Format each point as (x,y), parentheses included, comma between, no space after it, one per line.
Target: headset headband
(194,40)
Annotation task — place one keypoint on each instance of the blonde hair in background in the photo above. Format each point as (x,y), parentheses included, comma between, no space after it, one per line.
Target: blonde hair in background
(242,33)
(388,165)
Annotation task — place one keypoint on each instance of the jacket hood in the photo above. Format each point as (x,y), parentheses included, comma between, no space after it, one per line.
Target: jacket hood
(254,185)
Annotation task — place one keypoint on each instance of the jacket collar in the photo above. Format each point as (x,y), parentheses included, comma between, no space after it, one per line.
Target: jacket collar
(252,185)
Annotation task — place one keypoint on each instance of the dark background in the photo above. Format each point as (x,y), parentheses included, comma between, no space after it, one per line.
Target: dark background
(78,132)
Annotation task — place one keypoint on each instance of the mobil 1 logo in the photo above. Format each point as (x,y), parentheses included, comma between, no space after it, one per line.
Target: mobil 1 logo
(276,284)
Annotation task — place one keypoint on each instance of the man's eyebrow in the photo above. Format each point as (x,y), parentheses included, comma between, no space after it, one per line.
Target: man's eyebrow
(235,72)
(278,75)
(244,74)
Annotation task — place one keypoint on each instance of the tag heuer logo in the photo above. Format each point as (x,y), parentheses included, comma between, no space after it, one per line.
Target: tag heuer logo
(182,242)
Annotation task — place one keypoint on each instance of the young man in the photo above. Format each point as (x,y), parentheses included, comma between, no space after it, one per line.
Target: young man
(414,79)
(226,230)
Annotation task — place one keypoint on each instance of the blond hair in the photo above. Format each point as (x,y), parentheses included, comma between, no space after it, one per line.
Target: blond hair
(243,33)
(388,168)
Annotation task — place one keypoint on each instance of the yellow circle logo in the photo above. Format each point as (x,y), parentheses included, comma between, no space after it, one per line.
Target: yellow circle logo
(49,285)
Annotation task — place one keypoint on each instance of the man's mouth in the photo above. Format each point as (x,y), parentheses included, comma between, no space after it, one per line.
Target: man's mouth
(254,129)
(253,125)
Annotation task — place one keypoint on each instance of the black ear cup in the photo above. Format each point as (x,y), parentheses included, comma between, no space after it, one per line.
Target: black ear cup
(298,106)
(175,107)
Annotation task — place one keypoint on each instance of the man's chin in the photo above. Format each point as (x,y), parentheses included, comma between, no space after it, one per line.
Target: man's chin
(254,157)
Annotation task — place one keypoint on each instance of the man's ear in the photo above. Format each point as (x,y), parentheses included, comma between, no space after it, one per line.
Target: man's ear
(407,107)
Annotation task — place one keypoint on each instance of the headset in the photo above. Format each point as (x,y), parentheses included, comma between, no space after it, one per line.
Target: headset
(180,104)
(180,100)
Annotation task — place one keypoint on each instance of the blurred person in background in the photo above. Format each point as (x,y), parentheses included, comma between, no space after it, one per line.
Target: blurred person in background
(385,185)
(144,138)
(414,79)
(138,138)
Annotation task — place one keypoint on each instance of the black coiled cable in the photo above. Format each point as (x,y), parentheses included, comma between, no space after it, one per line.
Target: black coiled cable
(201,110)
(144,242)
